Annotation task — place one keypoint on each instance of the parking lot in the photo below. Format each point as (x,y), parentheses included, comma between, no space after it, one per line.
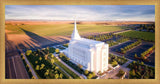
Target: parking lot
(137,50)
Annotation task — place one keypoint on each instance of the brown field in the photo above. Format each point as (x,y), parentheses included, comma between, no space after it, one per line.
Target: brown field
(80,22)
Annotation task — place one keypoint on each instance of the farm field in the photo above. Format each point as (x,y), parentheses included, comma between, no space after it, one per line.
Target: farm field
(148,36)
(60,29)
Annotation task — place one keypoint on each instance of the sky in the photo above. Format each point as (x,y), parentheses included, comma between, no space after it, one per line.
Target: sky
(81,12)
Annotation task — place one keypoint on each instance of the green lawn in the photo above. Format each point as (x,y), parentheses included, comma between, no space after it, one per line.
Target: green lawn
(60,29)
(148,36)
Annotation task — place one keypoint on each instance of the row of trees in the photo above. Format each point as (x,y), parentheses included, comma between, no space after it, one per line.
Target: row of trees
(54,59)
(101,37)
(128,47)
(29,71)
(89,75)
(120,40)
(147,27)
(146,53)
(44,67)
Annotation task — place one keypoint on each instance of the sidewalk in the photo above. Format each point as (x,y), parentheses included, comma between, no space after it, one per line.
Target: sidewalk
(80,75)
(61,69)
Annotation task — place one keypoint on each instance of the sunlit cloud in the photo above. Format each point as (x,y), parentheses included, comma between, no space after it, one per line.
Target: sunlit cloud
(81,12)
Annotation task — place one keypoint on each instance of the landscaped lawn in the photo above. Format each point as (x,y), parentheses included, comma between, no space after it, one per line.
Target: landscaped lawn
(44,68)
(148,36)
(115,60)
(140,71)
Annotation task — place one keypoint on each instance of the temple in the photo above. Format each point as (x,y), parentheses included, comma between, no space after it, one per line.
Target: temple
(91,54)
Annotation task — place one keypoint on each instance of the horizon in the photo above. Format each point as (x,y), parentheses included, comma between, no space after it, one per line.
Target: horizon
(80,12)
(80,20)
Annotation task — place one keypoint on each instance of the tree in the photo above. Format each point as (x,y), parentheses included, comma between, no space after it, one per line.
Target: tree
(42,66)
(80,66)
(114,63)
(69,59)
(28,52)
(134,62)
(133,72)
(56,68)
(86,72)
(119,60)
(61,75)
(56,76)
(29,70)
(93,73)
(36,62)
(33,77)
(46,57)
(52,61)
(123,57)
(142,63)
(57,50)
(40,58)
(135,55)
(27,65)
(46,73)
(23,58)
(37,67)
(21,54)
(99,72)
(90,76)
(52,56)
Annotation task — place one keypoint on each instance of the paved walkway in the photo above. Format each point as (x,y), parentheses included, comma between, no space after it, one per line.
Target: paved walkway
(61,68)
(80,75)
(33,72)
(114,72)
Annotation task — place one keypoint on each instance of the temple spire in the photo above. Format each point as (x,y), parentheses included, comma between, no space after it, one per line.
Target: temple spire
(75,34)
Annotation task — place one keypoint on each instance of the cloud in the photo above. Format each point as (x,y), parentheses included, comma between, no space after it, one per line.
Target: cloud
(81,12)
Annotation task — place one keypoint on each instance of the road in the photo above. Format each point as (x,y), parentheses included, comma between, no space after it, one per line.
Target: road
(32,70)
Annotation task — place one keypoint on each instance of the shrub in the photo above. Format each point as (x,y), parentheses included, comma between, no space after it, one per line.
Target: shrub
(28,52)
(86,72)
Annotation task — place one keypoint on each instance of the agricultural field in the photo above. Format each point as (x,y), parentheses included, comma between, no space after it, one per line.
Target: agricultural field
(60,29)
(147,36)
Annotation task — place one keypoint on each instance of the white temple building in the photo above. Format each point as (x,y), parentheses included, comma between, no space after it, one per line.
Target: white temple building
(93,55)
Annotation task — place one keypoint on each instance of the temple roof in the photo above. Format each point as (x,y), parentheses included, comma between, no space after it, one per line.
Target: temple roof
(82,41)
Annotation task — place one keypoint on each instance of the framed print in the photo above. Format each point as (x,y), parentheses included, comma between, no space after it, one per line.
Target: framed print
(83,41)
